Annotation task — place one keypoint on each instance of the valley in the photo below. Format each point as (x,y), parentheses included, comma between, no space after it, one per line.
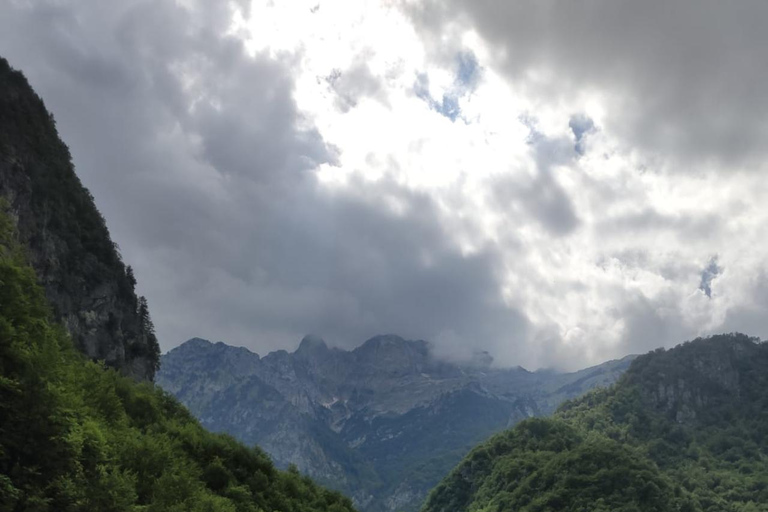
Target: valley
(382,423)
(559,184)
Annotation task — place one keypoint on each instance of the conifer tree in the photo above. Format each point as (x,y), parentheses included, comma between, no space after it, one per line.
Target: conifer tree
(148,331)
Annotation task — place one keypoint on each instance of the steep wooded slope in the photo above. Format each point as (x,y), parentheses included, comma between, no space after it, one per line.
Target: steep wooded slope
(88,286)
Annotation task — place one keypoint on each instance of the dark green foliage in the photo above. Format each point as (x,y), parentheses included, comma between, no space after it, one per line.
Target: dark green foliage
(147,329)
(77,436)
(30,137)
(682,430)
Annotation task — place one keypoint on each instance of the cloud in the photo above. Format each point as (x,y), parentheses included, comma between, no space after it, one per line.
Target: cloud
(355,83)
(200,160)
(540,196)
(484,177)
(681,80)
(749,316)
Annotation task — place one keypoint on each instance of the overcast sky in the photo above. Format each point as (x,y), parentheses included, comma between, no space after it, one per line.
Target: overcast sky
(558,183)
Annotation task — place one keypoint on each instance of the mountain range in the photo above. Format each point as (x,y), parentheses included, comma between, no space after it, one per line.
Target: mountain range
(383,422)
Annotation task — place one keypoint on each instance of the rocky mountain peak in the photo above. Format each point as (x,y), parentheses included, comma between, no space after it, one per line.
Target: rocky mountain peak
(701,376)
(311,344)
(382,341)
(391,351)
(195,344)
(209,348)
(199,356)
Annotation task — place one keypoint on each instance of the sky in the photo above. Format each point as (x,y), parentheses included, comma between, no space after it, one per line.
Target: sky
(557,183)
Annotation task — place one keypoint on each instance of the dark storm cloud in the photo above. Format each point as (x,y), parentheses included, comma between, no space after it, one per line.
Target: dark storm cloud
(682,79)
(540,197)
(199,159)
(347,266)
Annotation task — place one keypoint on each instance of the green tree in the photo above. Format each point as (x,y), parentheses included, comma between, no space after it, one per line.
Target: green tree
(148,331)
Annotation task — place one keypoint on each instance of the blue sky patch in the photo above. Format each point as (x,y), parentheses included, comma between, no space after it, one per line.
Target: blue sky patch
(467,76)
(708,275)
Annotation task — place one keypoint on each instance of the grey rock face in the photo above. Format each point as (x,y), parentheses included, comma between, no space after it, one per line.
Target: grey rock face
(700,376)
(68,242)
(382,423)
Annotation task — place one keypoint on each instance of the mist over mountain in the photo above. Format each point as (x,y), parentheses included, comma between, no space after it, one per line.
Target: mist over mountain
(383,422)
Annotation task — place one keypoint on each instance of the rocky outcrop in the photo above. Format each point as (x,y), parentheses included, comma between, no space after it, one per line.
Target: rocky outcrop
(383,422)
(704,375)
(87,284)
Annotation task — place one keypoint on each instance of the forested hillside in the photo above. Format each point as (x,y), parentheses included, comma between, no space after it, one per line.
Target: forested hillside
(77,436)
(682,430)
(89,288)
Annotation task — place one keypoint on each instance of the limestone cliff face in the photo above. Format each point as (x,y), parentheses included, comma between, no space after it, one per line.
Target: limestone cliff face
(705,375)
(68,242)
